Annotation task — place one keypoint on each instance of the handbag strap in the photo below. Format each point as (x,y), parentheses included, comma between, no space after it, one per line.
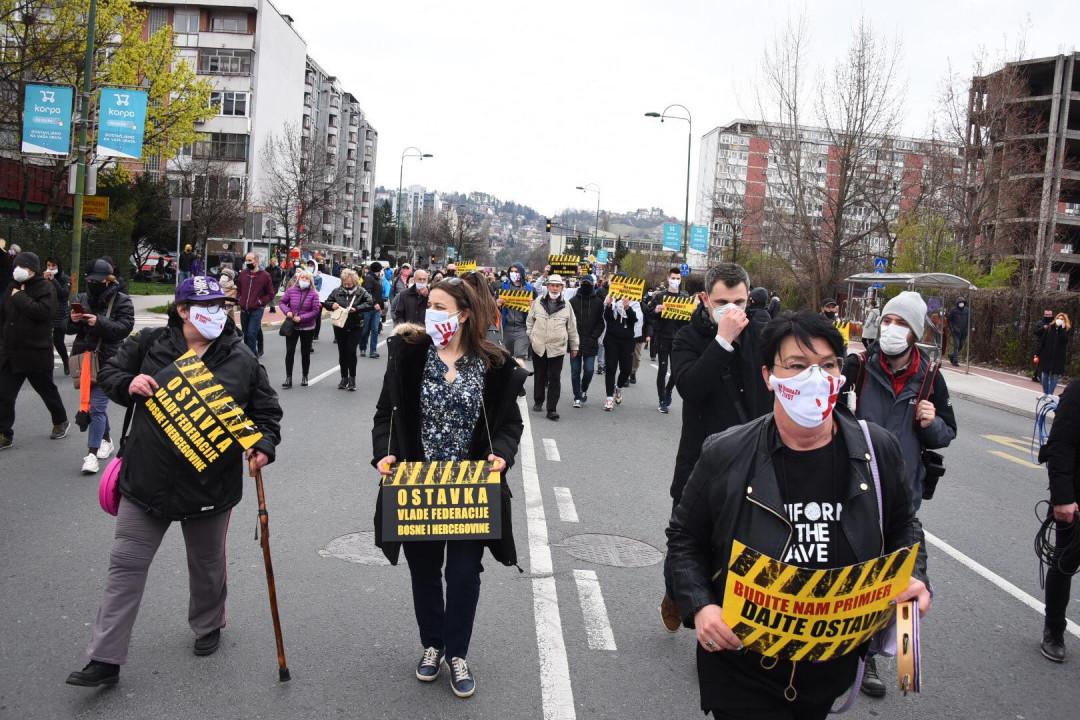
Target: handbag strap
(128,414)
(108,312)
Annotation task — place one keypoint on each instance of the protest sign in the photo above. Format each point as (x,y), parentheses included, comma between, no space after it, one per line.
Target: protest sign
(193,412)
(792,613)
(517,299)
(678,309)
(441,500)
(564,264)
(466,266)
(623,286)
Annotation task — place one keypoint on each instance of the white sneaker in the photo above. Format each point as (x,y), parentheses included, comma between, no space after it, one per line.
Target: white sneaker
(105,450)
(90,464)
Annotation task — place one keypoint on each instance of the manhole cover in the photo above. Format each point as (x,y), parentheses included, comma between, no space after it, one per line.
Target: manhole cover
(357,547)
(612,550)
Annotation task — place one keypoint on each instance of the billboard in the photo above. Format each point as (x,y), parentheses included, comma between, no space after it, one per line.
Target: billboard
(699,238)
(673,237)
(121,122)
(47,119)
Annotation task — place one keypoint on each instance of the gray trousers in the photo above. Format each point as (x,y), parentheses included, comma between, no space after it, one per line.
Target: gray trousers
(138,536)
(516,340)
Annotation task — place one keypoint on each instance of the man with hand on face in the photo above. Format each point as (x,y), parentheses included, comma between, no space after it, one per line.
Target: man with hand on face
(716,363)
(662,333)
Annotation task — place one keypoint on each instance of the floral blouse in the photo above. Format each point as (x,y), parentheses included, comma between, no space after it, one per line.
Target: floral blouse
(450,410)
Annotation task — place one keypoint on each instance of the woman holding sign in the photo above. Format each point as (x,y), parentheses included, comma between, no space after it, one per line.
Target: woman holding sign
(807,486)
(448,394)
(183,461)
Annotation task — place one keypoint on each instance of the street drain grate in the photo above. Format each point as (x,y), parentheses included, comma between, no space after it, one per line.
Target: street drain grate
(614,550)
(357,547)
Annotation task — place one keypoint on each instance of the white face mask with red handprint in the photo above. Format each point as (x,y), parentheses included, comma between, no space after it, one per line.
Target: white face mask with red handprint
(809,397)
(441,326)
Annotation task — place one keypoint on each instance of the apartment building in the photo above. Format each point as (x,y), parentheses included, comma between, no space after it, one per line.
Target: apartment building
(1024,156)
(739,181)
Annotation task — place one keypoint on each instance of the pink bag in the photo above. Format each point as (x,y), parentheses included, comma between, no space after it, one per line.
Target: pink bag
(109,486)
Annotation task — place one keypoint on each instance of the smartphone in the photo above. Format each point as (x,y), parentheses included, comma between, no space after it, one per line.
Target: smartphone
(77,308)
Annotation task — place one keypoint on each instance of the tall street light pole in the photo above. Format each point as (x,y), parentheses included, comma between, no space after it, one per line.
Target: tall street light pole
(84,149)
(409,152)
(593,187)
(689,141)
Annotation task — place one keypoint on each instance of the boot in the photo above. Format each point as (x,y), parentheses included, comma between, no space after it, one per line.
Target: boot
(352,384)
(872,684)
(1053,646)
(95,674)
(303,381)
(287,384)
(344,384)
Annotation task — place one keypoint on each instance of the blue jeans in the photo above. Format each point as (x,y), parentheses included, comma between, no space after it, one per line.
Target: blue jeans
(1049,383)
(251,323)
(372,326)
(99,417)
(581,374)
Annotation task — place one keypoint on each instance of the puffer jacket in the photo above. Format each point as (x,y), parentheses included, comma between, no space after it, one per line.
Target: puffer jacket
(303,304)
(396,429)
(552,328)
(110,329)
(26,337)
(62,283)
(153,476)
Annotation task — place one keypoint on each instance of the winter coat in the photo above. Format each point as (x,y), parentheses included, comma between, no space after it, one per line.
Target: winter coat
(111,328)
(154,477)
(552,328)
(186,259)
(397,425)
(254,289)
(361,300)
(878,402)
(1061,453)
(1053,344)
(373,283)
(620,327)
(871,327)
(7,266)
(589,314)
(733,494)
(62,283)
(719,387)
(663,330)
(410,306)
(302,303)
(26,318)
(516,318)
(959,318)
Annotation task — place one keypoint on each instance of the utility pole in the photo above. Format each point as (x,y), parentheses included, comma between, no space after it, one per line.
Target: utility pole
(83,150)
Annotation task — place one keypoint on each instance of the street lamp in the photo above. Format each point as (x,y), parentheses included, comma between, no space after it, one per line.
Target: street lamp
(689,140)
(593,187)
(415,153)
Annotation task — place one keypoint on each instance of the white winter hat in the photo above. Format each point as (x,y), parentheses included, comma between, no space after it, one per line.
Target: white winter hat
(909,306)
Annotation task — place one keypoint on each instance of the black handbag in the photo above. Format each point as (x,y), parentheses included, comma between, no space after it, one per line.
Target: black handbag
(288,328)
(933,462)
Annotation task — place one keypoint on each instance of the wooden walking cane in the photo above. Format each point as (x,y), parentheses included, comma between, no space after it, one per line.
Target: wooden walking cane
(264,525)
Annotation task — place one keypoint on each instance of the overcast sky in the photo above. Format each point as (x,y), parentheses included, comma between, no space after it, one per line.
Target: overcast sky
(526,100)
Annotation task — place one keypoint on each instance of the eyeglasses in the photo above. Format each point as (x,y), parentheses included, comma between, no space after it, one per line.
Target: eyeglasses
(797,366)
(210,306)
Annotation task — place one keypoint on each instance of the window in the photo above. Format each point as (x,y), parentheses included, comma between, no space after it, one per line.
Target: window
(223,146)
(229,23)
(185,21)
(230,104)
(156,19)
(222,188)
(225,62)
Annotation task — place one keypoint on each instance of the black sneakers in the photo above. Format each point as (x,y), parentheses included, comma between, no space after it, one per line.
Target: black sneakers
(344,384)
(287,384)
(552,415)
(872,684)
(430,665)
(95,674)
(5,441)
(59,431)
(352,384)
(303,381)
(461,680)
(208,643)
(1053,646)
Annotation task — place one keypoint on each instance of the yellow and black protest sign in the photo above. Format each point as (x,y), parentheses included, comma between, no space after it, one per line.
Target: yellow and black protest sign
(466,266)
(442,500)
(623,286)
(517,299)
(792,613)
(844,326)
(195,413)
(564,264)
(678,309)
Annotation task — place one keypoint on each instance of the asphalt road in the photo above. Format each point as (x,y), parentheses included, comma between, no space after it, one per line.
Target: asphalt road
(576,635)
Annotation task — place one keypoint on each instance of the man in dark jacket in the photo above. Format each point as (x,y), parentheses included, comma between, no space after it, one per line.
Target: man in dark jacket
(589,313)
(186,259)
(717,368)
(1060,454)
(373,283)
(515,337)
(795,486)
(411,303)
(26,347)
(661,332)
(7,264)
(254,290)
(959,320)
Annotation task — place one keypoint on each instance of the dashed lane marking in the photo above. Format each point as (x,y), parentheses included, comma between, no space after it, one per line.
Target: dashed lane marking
(565,501)
(594,611)
(551,450)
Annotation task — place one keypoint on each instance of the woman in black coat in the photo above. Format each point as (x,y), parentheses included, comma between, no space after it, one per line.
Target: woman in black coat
(1053,343)
(448,394)
(356,302)
(55,273)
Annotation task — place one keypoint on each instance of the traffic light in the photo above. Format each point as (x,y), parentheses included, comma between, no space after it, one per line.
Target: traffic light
(432,259)
(548,224)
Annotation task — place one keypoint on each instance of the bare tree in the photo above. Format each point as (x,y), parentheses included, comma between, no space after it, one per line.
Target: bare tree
(218,199)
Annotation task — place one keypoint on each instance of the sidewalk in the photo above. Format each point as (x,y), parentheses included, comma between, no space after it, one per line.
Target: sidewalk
(1002,390)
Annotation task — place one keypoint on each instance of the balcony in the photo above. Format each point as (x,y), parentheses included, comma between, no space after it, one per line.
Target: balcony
(331,149)
(332,130)
(232,41)
(354,120)
(328,227)
(335,101)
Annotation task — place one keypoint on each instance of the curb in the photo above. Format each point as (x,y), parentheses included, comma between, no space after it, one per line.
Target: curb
(1004,407)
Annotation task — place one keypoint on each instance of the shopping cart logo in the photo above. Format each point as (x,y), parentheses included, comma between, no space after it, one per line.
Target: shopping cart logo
(48,96)
(122,100)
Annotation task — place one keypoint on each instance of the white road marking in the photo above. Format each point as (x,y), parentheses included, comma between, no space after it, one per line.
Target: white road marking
(565,501)
(551,450)
(655,367)
(556,693)
(1037,605)
(335,369)
(597,628)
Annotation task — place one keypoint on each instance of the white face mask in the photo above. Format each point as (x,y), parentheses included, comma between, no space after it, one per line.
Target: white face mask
(673,284)
(224,279)
(1060,322)
(20,274)
(514,277)
(719,312)
(209,324)
(894,339)
(303,284)
(421,285)
(554,293)
(960,305)
(809,397)
(441,326)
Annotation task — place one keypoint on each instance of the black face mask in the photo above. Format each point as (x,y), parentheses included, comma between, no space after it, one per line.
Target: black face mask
(251,266)
(830,315)
(94,290)
(585,290)
(1047,320)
